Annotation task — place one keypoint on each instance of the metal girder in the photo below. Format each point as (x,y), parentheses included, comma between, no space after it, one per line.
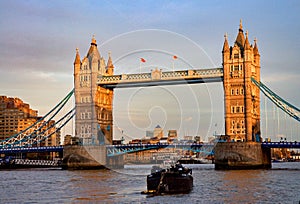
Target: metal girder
(39,131)
(289,145)
(31,149)
(288,108)
(113,150)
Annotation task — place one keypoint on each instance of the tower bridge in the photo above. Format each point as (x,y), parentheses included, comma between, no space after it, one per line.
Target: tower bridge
(94,84)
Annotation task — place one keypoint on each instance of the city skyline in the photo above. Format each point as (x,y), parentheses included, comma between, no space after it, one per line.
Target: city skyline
(39,42)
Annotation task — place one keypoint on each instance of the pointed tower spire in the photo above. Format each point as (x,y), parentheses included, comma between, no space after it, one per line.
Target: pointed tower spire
(241,25)
(240,39)
(255,49)
(110,66)
(225,46)
(93,51)
(94,42)
(109,62)
(247,44)
(77,57)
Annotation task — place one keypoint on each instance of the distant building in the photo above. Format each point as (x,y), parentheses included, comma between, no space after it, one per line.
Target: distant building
(197,139)
(156,136)
(149,133)
(158,155)
(172,136)
(158,132)
(16,116)
(188,138)
(163,140)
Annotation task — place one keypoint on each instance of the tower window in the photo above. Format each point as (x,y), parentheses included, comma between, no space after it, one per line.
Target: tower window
(232,91)
(236,56)
(236,68)
(242,91)
(237,91)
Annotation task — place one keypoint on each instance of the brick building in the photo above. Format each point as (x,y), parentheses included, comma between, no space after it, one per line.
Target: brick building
(16,116)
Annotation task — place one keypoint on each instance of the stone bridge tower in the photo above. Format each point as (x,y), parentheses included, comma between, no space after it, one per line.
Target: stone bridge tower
(94,120)
(242,98)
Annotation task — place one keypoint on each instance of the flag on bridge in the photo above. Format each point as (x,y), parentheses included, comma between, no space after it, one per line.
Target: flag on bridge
(174,58)
(142,61)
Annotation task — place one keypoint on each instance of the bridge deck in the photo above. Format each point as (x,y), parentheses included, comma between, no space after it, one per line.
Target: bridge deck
(159,78)
(127,148)
(31,149)
(290,145)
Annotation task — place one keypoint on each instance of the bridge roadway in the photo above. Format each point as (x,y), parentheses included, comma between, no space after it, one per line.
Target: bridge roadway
(113,150)
(288,145)
(159,78)
(15,150)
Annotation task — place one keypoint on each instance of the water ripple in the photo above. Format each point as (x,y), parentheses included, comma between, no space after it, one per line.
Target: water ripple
(279,185)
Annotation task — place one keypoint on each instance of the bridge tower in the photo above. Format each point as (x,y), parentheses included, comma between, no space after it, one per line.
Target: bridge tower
(241,62)
(242,97)
(94,120)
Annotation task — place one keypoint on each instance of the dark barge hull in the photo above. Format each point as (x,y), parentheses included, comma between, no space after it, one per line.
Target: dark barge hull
(171,183)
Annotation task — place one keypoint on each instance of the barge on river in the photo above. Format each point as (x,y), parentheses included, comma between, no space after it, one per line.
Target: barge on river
(175,179)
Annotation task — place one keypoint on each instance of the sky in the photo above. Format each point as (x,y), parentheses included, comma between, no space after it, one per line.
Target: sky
(38,40)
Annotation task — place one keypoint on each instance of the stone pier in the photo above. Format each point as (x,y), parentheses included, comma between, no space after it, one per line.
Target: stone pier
(84,157)
(242,155)
(90,157)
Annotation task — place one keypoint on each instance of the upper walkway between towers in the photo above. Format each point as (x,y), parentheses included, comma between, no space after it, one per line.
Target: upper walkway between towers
(157,78)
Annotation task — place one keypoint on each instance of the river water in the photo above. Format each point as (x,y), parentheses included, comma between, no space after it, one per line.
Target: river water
(281,184)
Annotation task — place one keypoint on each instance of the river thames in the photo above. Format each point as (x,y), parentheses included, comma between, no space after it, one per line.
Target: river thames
(281,184)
